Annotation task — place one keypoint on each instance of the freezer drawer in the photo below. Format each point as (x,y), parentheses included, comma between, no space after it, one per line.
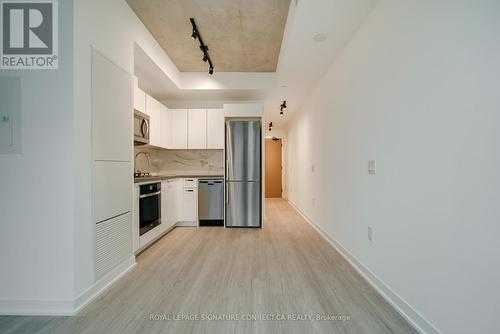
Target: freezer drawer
(243,204)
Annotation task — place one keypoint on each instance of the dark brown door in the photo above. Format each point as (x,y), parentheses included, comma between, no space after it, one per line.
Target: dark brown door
(273,168)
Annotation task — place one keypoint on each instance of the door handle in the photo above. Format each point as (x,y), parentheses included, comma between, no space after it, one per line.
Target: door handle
(145,128)
(225,194)
(150,195)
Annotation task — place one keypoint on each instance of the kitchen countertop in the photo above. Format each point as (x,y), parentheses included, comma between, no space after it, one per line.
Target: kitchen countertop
(153,178)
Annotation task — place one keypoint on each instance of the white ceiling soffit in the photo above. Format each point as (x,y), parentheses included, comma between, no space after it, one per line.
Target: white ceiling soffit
(200,86)
(303,61)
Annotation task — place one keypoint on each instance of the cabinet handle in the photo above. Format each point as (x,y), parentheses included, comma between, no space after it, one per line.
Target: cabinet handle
(225,193)
(190,190)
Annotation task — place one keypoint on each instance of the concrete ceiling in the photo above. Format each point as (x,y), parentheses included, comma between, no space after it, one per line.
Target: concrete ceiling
(242,35)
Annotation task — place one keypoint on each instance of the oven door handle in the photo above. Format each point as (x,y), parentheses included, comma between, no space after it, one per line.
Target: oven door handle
(150,195)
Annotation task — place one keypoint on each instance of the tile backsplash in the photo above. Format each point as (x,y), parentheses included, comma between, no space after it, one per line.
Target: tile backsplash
(169,162)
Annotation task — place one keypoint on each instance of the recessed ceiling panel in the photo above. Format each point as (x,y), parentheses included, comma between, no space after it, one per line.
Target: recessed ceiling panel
(242,35)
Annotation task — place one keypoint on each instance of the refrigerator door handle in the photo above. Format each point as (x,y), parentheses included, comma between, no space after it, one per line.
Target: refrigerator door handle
(225,194)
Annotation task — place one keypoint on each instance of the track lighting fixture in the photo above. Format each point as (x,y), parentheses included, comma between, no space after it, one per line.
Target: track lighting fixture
(203,47)
(283,107)
(270,126)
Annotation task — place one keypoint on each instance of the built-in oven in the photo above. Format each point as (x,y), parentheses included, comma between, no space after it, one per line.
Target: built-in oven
(141,128)
(149,207)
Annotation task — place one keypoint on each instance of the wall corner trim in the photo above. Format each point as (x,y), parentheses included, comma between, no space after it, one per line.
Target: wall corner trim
(416,320)
(87,296)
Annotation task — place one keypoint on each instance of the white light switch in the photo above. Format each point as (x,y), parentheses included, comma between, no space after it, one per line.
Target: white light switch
(370,233)
(372,167)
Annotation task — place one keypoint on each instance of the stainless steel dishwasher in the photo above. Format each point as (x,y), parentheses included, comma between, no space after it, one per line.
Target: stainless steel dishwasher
(211,202)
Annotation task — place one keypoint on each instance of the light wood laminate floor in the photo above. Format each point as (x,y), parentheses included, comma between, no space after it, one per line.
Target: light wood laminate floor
(286,269)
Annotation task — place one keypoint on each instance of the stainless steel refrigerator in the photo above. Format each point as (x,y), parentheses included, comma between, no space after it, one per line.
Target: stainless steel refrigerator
(243,173)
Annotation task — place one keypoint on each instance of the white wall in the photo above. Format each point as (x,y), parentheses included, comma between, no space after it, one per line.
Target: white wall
(112,27)
(36,187)
(417,91)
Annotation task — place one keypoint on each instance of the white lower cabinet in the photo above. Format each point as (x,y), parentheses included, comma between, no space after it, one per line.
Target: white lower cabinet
(179,206)
(168,204)
(190,209)
(190,201)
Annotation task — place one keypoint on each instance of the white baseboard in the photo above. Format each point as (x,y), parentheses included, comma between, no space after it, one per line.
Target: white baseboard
(421,324)
(102,284)
(61,307)
(186,224)
(64,307)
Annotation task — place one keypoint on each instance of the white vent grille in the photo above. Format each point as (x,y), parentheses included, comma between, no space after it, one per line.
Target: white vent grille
(113,243)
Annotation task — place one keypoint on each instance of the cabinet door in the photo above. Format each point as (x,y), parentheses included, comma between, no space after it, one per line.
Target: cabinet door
(111,110)
(112,190)
(178,210)
(197,129)
(179,129)
(153,108)
(215,128)
(139,98)
(190,205)
(166,126)
(167,204)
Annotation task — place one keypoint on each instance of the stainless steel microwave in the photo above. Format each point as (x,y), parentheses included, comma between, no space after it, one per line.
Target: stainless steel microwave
(141,128)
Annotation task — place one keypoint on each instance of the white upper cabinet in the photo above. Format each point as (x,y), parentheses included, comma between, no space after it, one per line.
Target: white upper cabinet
(197,129)
(154,109)
(166,127)
(179,129)
(215,128)
(139,98)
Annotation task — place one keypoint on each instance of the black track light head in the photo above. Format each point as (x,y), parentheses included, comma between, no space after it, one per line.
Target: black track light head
(211,71)
(283,107)
(194,35)
(205,58)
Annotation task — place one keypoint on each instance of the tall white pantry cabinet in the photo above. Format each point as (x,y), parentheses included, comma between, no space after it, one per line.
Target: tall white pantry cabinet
(112,135)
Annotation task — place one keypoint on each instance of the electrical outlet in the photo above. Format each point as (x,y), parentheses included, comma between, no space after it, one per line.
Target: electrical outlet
(370,233)
(372,167)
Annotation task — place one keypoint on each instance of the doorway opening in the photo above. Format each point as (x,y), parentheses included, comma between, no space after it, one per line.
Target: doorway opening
(274,167)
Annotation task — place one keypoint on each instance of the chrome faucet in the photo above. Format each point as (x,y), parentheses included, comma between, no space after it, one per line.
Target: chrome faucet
(147,156)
